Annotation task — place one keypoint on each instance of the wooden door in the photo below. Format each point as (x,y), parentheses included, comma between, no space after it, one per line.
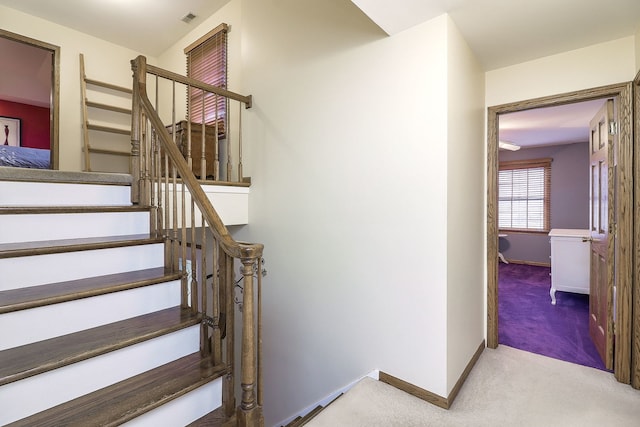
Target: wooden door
(601,217)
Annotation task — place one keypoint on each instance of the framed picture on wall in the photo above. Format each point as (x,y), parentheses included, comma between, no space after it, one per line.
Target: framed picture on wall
(10,131)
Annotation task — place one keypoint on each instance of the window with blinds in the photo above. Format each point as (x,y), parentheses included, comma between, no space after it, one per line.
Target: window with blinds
(524,193)
(207,62)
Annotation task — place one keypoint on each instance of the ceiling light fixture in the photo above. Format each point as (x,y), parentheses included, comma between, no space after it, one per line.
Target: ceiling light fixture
(508,146)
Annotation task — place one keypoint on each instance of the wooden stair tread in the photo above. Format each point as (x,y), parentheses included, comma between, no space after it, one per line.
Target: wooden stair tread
(8,173)
(32,359)
(53,293)
(32,210)
(130,398)
(212,419)
(8,250)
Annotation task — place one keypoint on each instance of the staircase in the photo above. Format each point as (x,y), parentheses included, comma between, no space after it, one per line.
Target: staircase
(93,328)
(117,291)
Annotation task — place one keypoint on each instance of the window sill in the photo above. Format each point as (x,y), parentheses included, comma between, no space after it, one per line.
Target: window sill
(519,231)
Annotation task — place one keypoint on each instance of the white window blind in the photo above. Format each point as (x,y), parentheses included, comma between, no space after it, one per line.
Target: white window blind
(524,189)
(207,62)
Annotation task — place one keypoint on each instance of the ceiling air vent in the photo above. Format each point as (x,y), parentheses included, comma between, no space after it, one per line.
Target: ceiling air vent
(188,17)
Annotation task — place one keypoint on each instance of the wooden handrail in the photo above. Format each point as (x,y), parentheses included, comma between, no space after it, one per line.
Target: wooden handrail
(148,162)
(247,100)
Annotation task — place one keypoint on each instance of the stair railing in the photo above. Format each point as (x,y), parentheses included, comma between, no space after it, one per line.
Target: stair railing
(196,240)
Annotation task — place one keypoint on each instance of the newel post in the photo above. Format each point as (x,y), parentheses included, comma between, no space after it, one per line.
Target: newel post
(139,68)
(249,412)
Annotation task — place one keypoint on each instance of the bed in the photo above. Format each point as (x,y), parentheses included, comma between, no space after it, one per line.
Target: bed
(24,157)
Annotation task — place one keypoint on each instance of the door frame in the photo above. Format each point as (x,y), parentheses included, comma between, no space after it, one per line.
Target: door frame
(635,357)
(54,120)
(624,270)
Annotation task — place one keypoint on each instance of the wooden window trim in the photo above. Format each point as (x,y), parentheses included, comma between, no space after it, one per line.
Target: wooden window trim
(206,60)
(221,27)
(531,164)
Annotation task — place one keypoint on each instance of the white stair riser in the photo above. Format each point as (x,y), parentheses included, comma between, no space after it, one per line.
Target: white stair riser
(59,194)
(39,227)
(34,394)
(36,270)
(183,410)
(37,324)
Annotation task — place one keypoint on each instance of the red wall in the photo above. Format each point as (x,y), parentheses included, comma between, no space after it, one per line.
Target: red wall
(34,129)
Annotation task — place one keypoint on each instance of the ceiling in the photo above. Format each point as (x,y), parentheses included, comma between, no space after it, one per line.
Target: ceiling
(129,23)
(499,32)
(507,32)
(564,124)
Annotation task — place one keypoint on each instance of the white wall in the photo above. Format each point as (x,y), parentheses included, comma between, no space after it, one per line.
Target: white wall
(592,66)
(344,121)
(637,46)
(351,168)
(174,58)
(103,61)
(348,196)
(465,205)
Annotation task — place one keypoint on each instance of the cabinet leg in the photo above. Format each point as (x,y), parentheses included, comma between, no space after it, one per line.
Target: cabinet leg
(552,292)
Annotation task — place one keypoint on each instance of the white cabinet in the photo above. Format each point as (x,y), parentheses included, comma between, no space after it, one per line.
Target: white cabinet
(569,261)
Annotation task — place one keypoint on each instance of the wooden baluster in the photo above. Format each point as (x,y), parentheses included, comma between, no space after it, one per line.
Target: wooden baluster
(153,212)
(144,142)
(240,172)
(160,177)
(203,159)
(203,150)
(174,189)
(156,173)
(259,322)
(228,136)
(216,162)
(183,224)
(226,274)
(194,260)
(183,246)
(216,336)
(204,335)
(174,219)
(188,154)
(156,191)
(154,141)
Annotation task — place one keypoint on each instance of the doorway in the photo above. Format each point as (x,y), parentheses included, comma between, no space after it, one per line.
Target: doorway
(33,64)
(544,210)
(622,271)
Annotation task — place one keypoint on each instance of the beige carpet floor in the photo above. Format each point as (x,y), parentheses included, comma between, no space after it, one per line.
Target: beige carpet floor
(507,387)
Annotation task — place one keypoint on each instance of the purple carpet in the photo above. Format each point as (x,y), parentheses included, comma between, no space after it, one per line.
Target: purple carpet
(528,321)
